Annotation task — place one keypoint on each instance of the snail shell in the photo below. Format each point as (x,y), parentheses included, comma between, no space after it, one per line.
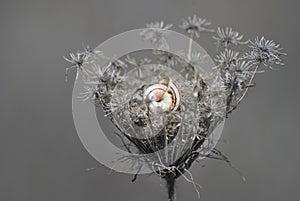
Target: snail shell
(162,97)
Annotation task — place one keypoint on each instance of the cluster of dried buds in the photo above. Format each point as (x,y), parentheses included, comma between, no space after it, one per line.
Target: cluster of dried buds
(153,107)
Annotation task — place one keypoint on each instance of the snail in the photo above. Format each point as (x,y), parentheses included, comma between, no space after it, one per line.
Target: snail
(163,96)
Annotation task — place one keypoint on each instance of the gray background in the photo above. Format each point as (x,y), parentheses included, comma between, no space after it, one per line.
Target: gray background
(41,156)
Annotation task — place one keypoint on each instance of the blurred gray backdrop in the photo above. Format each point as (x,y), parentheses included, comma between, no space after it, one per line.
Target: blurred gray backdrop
(41,156)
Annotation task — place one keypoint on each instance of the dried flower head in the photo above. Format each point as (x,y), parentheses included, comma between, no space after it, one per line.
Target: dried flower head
(154,32)
(227,58)
(136,63)
(90,93)
(227,36)
(237,76)
(264,51)
(90,52)
(166,58)
(193,64)
(79,58)
(93,74)
(217,107)
(242,66)
(195,58)
(76,60)
(194,25)
(242,71)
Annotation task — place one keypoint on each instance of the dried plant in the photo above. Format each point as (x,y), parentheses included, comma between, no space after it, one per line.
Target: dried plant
(182,111)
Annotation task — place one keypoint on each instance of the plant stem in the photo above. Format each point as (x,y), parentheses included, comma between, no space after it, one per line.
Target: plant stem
(190,46)
(246,90)
(171,188)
